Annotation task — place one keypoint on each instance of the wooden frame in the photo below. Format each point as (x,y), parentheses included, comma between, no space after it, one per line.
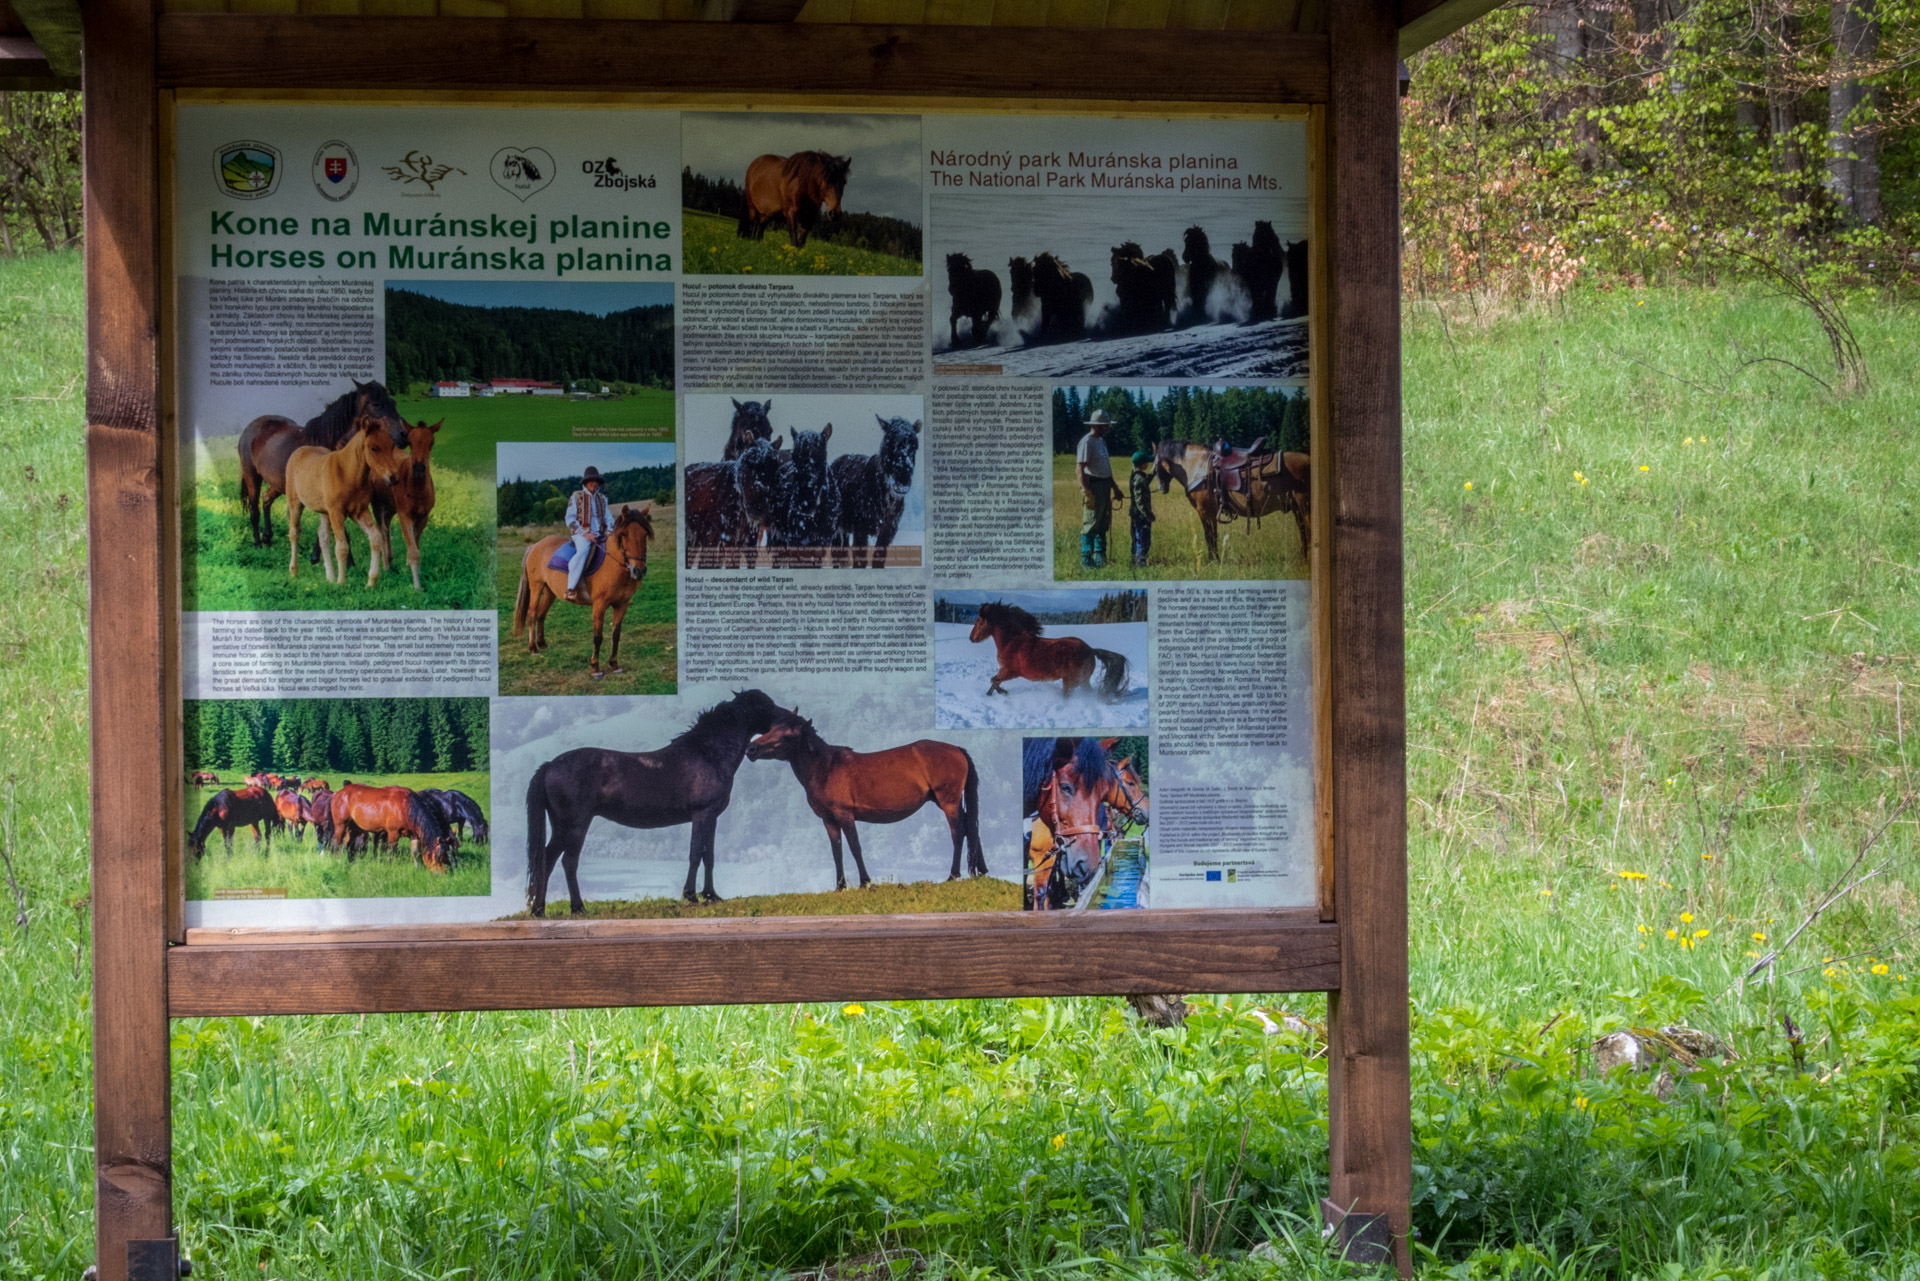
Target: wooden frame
(1353,945)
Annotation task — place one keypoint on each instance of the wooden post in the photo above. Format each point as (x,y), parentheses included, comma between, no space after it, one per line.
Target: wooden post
(133,1161)
(1368,1083)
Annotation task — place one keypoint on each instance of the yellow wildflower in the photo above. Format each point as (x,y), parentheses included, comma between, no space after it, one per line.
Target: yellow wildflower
(1881,968)
(1469,484)
(1643,467)
(1686,918)
(1059,1140)
(1643,929)
(1687,441)
(1702,933)
(1580,1100)
(1673,934)
(1758,937)
(853,1011)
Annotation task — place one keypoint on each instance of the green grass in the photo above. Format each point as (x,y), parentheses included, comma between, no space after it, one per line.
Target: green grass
(1269,549)
(649,637)
(475,424)
(981,894)
(301,869)
(225,571)
(1739,618)
(713,247)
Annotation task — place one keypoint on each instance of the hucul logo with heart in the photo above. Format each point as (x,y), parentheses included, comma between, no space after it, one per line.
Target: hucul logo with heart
(523,170)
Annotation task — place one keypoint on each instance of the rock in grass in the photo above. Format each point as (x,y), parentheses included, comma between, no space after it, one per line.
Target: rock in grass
(1159,1011)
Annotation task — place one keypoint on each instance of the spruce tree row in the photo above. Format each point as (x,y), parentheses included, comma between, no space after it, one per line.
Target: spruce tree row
(336,736)
(1240,415)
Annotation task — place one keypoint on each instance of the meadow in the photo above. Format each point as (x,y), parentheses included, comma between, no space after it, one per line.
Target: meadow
(712,246)
(1656,679)
(974,894)
(475,424)
(304,870)
(649,637)
(1269,548)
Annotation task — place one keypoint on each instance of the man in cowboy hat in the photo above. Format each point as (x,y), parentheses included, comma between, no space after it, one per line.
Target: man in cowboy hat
(589,522)
(1098,497)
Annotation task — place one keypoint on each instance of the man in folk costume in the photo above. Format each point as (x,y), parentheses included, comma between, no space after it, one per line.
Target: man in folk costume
(590,523)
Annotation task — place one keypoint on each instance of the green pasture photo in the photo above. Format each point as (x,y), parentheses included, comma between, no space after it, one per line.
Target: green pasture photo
(476,424)
(299,868)
(971,894)
(1267,548)
(649,640)
(222,569)
(712,246)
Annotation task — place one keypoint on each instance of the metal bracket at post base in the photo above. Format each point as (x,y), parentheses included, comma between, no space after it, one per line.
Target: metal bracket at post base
(1358,1238)
(151,1261)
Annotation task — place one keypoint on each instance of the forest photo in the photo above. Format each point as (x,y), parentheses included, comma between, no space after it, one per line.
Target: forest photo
(336,798)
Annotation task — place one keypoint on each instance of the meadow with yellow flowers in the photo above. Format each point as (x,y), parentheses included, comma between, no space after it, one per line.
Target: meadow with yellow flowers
(1662,600)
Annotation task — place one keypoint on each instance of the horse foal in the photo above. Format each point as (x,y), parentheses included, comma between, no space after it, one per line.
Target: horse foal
(339,484)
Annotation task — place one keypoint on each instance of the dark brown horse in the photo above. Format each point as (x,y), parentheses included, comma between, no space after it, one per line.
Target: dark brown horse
(873,492)
(413,496)
(1260,265)
(732,504)
(269,440)
(1024,651)
(976,299)
(1019,286)
(797,188)
(1069,784)
(292,808)
(1203,269)
(1147,287)
(610,587)
(391,812)
(232,808)
(750,423)
(320,813)
(690,780)
(1065,295)
(846,788)
(1278,483)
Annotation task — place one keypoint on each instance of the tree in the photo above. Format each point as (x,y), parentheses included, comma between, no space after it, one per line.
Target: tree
(241,753)
(1853,146)
(39,169)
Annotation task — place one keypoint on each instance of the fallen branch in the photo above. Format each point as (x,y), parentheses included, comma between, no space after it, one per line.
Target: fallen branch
(1766,962)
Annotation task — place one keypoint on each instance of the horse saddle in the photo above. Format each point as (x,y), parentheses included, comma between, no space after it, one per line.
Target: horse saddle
(564,556)
(1234,467)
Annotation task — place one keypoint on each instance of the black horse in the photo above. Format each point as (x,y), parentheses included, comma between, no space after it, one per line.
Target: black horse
(976,298)
(457,811)
(731,504)
(1260,265)
(807,510)
(873,491)
(269,440)
(750,423)
(1296,304)
(249,807)
(690,780)
(1202,270)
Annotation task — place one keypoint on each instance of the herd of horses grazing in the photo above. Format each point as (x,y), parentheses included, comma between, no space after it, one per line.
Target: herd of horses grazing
(1077,801)
(1224,484)
(352,819)
(690,780)
(796,502)
(1148,288)
(344,464)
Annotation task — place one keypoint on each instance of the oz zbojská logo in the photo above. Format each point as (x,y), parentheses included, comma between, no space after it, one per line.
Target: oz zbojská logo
(247,170)
(336,170)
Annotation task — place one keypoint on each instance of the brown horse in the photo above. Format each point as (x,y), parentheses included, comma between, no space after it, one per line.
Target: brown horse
(1024,651)
(358,810)
(200,776)
(412,497)
(314,785)
(1067,782)
(233,808)
(339,483)
(846,787)
(797,188)
(609,587)
(268,441)
(1281,484)
(293,811)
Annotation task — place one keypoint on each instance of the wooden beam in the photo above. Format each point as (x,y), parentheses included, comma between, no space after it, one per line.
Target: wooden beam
(751,10)
(23,66)
(1425,22)
(1368,1082)
(296,52)
(564,964)
(132,1136)
(55,27)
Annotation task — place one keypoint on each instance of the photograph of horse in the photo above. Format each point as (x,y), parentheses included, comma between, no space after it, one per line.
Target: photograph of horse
(551,644)
(846,788)
(690,781)
(338,486)
(1086,813)
(268,441)
(820,481)
(403,821)
(800,194)
(412,490)
(1041,659)
(1225,468)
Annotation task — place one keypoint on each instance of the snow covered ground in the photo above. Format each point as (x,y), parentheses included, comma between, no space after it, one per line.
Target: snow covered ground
(1266,349)
(962,669)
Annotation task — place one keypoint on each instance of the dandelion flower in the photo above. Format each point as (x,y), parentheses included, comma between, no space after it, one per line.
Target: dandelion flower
(1643,467)
(1469,484)
(1758,937)
(1881,969)
(1686,918)
(1701,933)
(1673,934)
(1643,929)
(1641,303)
(1059,1140)
(1546,893)
(1687,441)
(853,1011)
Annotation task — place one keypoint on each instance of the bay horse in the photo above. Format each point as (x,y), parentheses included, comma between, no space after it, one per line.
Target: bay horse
(1285,485)
(359,810)
(610,587)
(873,492)
(412,497)
(338,484)
(232,808)
(1065,295)
(797,188)
(320,813)
(690,780)
(845,788)
(976,299)
(750,423)
(268,441)
(292,808)
(1066,784)
(201,777)
(1026,651)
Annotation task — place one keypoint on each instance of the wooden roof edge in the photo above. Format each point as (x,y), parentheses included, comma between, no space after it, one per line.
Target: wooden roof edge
(55,28)
(1425,22)
(24,67)
(751,10)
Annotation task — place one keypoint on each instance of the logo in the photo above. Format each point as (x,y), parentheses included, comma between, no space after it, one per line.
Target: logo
(421,168)
(608,174)
(247,170)
(336,170)
(1213,874)
(522,171)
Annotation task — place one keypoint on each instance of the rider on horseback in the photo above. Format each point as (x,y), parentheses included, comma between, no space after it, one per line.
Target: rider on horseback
(589,522)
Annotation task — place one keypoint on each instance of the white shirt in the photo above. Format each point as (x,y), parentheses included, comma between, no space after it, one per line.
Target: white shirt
(1092,455)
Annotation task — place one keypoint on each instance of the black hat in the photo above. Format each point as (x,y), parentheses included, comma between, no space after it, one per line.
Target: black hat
(592,473)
